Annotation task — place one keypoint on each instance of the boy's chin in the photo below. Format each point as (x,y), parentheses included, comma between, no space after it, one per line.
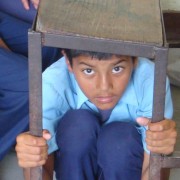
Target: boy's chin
(105,106)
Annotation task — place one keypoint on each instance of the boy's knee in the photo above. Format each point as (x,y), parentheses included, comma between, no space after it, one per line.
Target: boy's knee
(119,131)
(80,119)
(77,129)
(120,140)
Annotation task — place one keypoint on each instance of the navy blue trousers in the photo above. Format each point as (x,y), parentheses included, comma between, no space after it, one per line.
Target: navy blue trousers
(15,8)
(90,151)
(13,98)
(15,34)
(14,79)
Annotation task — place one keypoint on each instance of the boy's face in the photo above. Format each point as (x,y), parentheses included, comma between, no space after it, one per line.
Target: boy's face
(102,81)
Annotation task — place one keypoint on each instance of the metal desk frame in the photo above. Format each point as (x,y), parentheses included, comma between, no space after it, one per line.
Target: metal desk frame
(159,54)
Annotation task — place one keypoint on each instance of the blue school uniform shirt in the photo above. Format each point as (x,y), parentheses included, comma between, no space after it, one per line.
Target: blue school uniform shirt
(62,93)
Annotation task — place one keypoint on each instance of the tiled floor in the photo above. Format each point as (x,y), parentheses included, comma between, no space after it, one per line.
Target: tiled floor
(9,169)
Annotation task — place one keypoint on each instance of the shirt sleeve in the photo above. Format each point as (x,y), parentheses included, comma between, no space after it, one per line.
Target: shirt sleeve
(55,105)
(51,103)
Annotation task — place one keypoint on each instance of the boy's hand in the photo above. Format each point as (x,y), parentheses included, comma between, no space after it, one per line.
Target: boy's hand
(32,151)
(160,136)
(26,4)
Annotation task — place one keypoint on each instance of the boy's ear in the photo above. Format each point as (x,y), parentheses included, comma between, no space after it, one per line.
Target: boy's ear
(135,59)
(67,61)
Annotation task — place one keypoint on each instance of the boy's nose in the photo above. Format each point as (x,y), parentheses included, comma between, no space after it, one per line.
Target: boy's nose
(105,82)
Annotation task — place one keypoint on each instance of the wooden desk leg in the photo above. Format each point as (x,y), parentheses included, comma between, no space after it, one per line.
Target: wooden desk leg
(161,57)
(165,174)
(26,173)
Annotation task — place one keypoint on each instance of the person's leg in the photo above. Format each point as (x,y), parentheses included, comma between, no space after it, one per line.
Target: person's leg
(15,34)
(15,8)
(76,138)
(120,152)
(13,98)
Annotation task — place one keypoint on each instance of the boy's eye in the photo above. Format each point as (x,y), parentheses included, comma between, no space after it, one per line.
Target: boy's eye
(117,69)
(88,71)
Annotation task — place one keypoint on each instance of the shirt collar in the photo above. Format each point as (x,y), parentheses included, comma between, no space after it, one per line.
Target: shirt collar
(81,97)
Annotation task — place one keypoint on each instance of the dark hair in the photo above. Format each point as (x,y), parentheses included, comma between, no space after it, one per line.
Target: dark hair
(72,53)
(75,53)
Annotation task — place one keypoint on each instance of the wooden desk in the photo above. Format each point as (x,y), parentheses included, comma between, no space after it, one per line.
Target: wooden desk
(126,27)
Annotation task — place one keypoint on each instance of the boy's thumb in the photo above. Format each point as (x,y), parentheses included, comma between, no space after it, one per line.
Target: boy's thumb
(46,135)
(142,121)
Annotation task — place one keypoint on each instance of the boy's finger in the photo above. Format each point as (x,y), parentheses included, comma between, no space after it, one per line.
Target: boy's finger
(32,150)
(32,157)
(142,121)
(30,164)
(35,3)
(161,143)
(161,150)
(25,4)
(162,125)
(161,135)
(46,135)
(30,140)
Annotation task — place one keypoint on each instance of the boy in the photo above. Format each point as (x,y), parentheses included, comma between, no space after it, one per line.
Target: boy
(93,106)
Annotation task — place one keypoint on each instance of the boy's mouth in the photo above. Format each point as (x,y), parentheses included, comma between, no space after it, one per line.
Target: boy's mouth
(105,99)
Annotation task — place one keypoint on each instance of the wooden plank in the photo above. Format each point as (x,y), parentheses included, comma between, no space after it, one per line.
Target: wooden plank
(127,20)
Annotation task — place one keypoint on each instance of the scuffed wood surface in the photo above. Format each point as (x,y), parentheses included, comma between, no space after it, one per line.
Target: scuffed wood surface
(126,20)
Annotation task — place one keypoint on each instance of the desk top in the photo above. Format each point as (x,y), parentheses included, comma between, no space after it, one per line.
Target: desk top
(126,20)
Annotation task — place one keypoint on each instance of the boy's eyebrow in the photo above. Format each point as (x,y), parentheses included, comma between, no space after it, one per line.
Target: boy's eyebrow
(83,63)
(120,61)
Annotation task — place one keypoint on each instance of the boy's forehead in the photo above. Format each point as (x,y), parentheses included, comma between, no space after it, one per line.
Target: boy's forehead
(113,56)
(123,56)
